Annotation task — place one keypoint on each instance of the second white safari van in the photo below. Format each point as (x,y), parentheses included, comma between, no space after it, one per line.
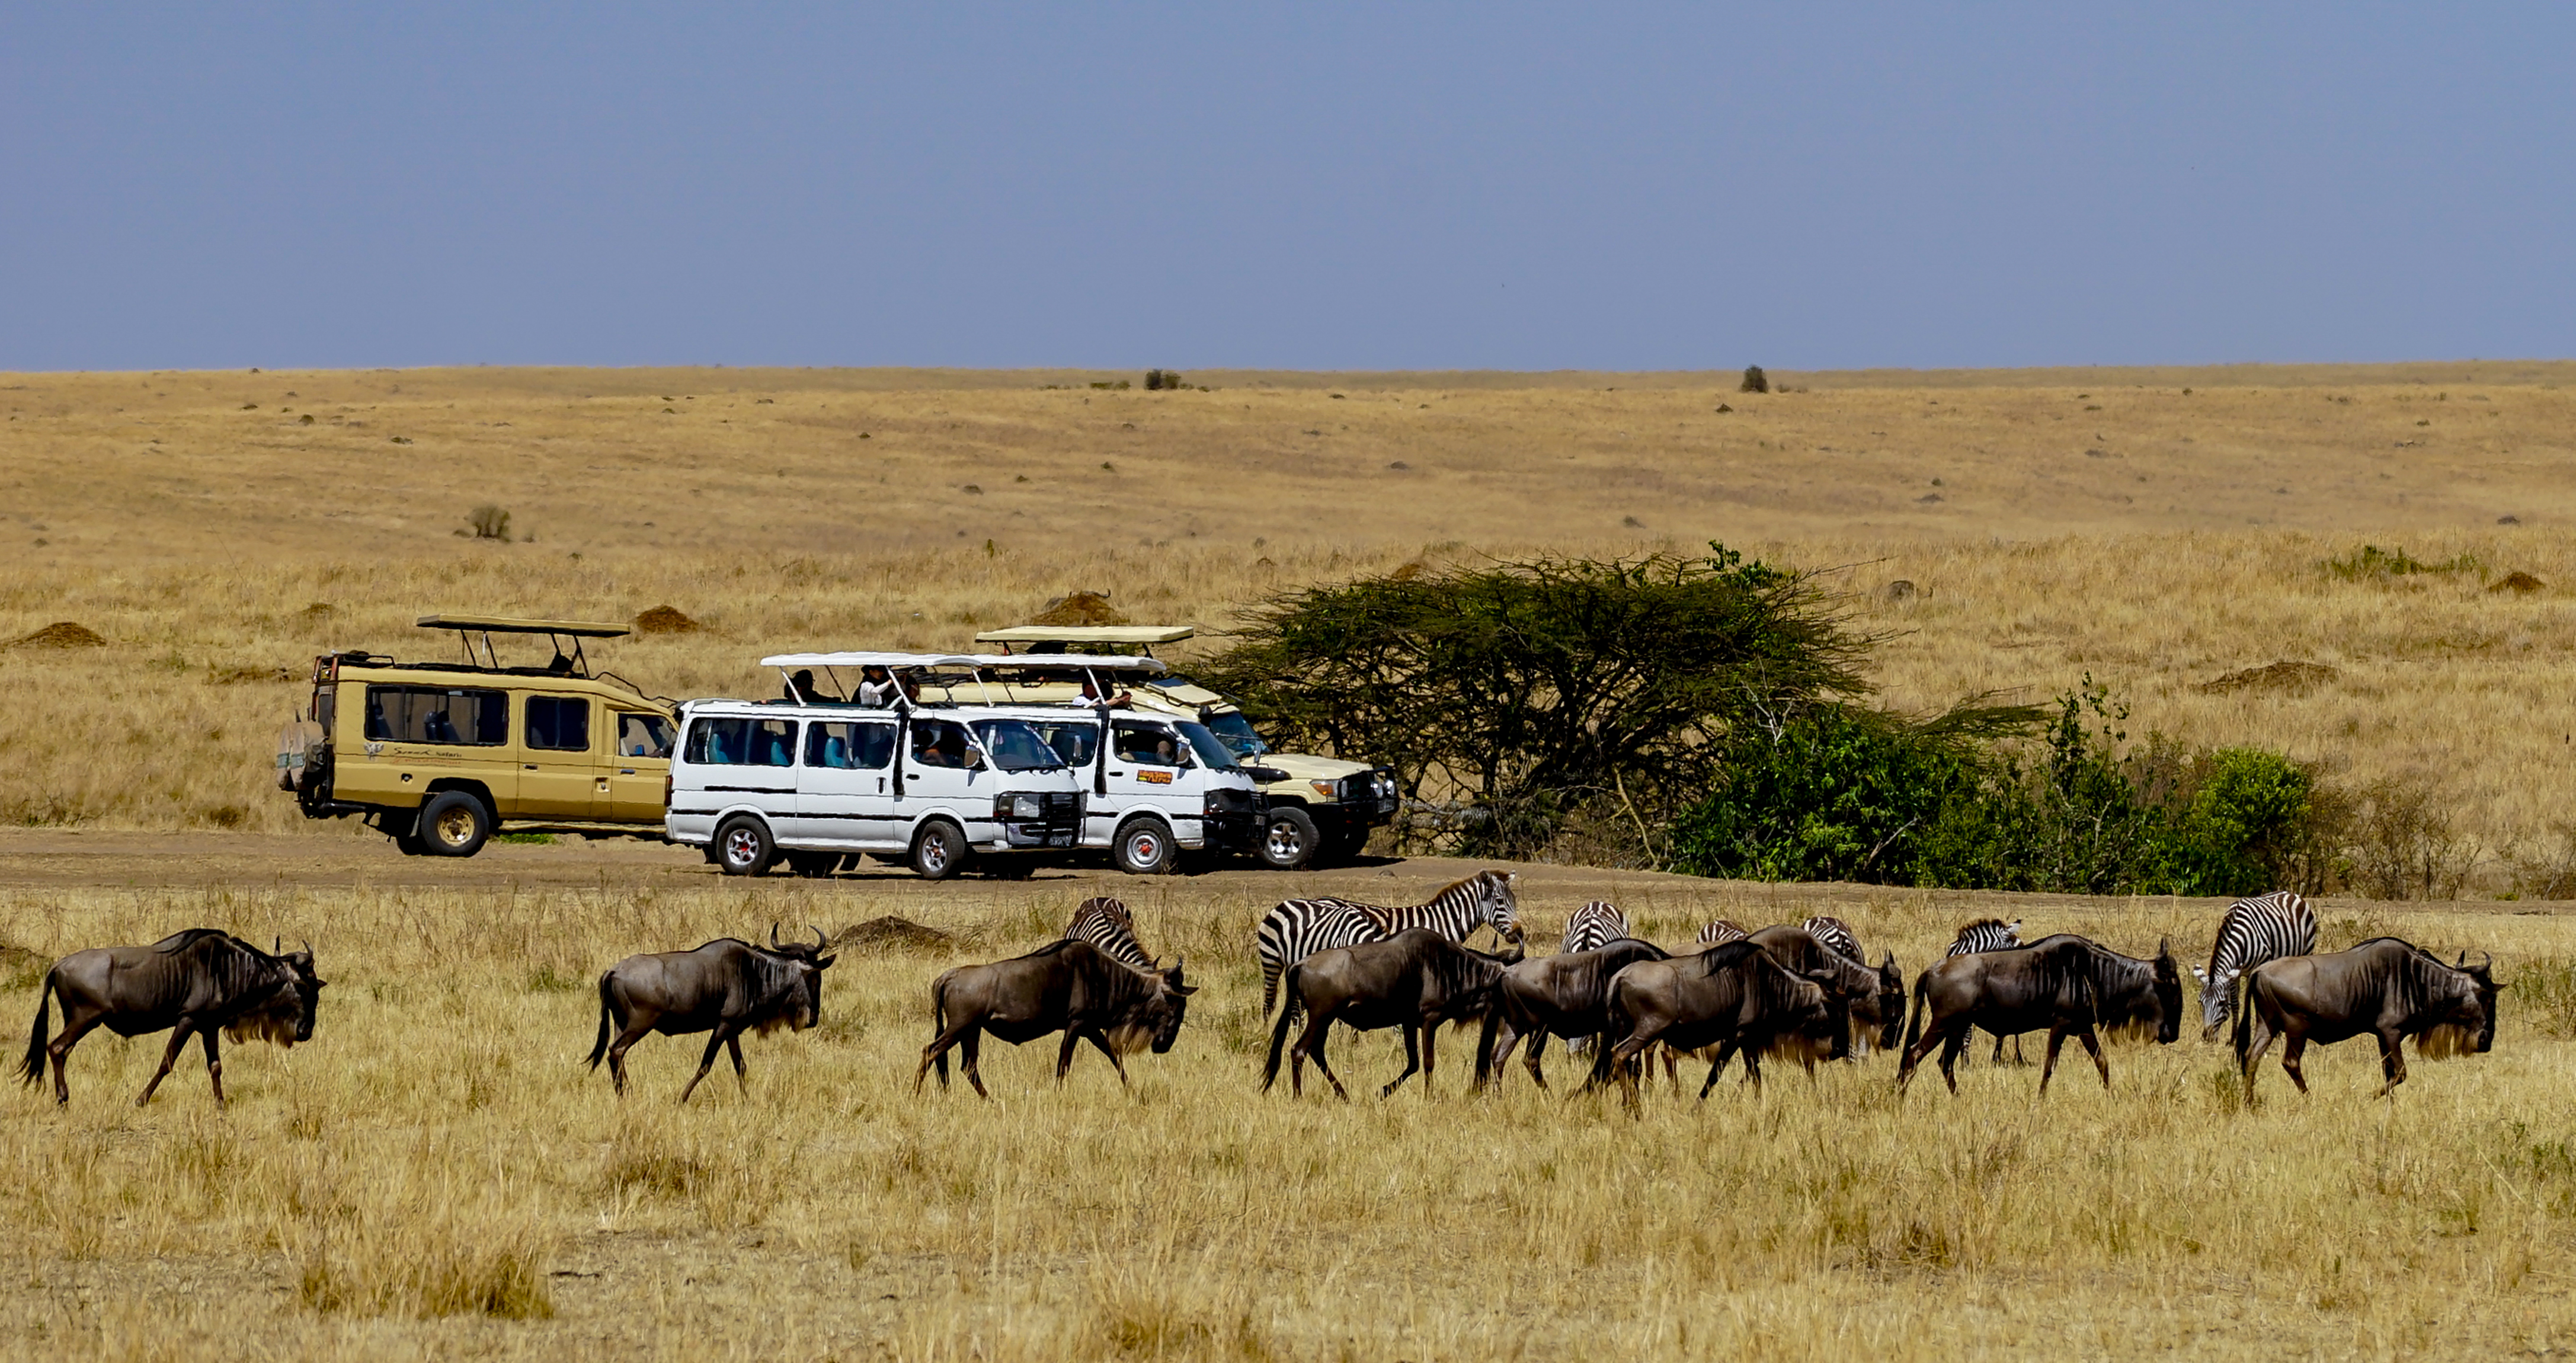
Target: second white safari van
(814,782)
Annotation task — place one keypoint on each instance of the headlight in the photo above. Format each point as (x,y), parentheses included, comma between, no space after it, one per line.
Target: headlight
(1325,790)
(1018,807)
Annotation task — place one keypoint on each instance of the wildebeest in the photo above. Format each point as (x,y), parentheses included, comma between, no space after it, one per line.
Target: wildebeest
(2384,987)
(2006,992)
(2132,996)
(1874,996)
(726,987)
(1415,980)
(1735,996)
(1298,928)
(1067,986)
(196,982)
(1560,995)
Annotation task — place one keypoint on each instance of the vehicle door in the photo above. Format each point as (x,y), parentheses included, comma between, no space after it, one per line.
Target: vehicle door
(560,777)
(844,791)
(1149,767)
(936,775)
(416,735)
(640,768)
(1076,739)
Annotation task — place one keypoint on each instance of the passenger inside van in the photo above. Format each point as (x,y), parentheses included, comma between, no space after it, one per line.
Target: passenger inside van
(800,688)
(877,687)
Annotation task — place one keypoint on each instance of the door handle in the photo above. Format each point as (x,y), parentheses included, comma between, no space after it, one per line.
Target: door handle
(532,766)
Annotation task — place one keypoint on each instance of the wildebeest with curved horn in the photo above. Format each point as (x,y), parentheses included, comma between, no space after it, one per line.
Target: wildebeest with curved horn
(1559,995)
(2384,987)
(1736,997)
(2005,992)
(1415,980)
(725,988)
(1067,986)
(1874,996)
(196,982)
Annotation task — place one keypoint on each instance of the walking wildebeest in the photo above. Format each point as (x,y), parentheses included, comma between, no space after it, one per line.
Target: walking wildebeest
(2006,992)
(1559,995)
(196,982)
(726,988)
(2384,987)
(1873,995)
(1415,980)
(1067,986)
(1736,997)
(2133,997)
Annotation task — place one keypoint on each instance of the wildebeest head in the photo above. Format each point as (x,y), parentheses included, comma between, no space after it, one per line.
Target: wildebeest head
(2469,1021)
(2168,994)
(1160,1019)
(286,1016)
(809,963)
(1888,1006)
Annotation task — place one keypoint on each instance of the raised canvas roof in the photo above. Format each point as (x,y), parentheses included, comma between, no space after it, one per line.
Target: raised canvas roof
(1087,634)
(868,660)
(503,624)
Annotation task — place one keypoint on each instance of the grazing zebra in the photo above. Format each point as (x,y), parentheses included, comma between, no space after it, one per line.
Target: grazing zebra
(1986,934)
(2266,927)
(1722,931)
(1298,928)
(1594,926)
(1105,923)
(1837,937)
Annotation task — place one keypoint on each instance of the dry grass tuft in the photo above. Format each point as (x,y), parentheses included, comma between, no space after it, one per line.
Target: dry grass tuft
(2517,582)
(2280,678)
(892,933)
(60,634)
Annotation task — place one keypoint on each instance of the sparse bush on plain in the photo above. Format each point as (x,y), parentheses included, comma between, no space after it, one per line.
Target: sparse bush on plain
(1755,381)
(2370,563)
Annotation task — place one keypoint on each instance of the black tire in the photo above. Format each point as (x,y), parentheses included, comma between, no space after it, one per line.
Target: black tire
(1289,841)
(814,865)
(409,845)
(744,847)
(1143,847)
(938,850)
(454,823)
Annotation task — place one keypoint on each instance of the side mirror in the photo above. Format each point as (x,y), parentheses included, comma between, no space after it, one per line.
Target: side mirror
(974,760)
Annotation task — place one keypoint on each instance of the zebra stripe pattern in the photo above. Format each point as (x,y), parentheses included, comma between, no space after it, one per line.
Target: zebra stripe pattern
(1721,932)
(1594,926)
(2255,930)
(1106,924)
(1298,928)
(1986,934)
(1836,936)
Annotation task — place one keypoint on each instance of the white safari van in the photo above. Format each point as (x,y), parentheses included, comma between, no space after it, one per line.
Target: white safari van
(814,781)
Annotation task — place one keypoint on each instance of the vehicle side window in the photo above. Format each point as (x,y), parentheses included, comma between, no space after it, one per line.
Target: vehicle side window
(849,747)
(1149,745)
(558,723)
(433,714)
(642,735)
(743,742)
(1075,743)
(939,743)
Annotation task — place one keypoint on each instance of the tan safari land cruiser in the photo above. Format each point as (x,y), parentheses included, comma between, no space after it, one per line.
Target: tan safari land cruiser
(1316,810)
(440,756)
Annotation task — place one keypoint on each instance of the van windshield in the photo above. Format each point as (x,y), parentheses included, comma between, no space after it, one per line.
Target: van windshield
(1233,730)
(1015,746)
(1212,750)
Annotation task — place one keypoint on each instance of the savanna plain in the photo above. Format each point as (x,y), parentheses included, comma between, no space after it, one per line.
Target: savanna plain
(435,1175)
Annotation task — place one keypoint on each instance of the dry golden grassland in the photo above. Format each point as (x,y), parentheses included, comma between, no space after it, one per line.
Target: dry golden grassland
(436,1176)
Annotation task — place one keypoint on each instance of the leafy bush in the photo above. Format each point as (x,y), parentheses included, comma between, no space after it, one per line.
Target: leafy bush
(1755,381)
(2372,563)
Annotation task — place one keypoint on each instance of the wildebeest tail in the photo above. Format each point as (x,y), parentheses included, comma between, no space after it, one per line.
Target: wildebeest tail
(1615,1026)
(600,1047)
(2240,996)
(1914,1015)
(1279,1033)
(32,1069)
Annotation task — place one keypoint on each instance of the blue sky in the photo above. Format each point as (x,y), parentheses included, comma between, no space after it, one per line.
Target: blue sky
(1311,186)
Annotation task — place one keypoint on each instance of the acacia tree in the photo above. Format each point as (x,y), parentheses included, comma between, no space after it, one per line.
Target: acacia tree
(1524,691)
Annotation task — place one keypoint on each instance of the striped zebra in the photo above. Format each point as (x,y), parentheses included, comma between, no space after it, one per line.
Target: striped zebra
(1298,928)
(1837,937)
(1986,934)
(1721,931)
(1594,926)
(2255,930)
(1106,924)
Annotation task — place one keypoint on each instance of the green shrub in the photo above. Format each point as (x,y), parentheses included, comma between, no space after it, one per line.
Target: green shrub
(2372,563)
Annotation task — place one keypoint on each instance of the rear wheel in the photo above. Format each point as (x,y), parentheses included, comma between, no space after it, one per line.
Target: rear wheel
(409,844)
(1289,841)
(814,865)
(743,846)
(938,850)
(453,824)
(1143,848)
(1345,842)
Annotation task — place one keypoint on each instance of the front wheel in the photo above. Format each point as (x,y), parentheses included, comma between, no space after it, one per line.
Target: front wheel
(743,847)
(938,851)
(1289,841)
(1144,848)
(453,824)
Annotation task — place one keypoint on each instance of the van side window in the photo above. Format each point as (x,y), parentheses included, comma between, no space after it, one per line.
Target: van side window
(436,714)
(849,747)
(642,735)
(558,723)
(939,743)
(743,742)
(1149,745)
(1074,741)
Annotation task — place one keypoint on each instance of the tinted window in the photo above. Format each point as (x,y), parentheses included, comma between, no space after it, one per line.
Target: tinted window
(558,723)
(1016,747)
(1236,732)
(743,742)
(1211,749)
(1073,741)
(939,743)
(849,746)
(430,714)
(643,735)
(1151,745)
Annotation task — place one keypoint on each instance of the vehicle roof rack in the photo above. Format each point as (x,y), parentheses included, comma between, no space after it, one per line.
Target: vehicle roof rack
(503,624)
(888,660)
(1087,634)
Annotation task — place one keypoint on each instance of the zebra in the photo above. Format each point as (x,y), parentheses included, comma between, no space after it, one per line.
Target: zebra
(1837,937)
(1106,924)
(1298,928)
(1721,931)
(1594,926)
(1990,934)
(2255,930)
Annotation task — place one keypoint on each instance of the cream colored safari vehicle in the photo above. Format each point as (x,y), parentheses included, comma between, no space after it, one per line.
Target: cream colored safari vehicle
(1315,810)
(443,755)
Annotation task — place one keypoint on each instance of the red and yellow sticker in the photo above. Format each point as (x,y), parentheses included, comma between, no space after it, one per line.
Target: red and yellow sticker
(1155,778)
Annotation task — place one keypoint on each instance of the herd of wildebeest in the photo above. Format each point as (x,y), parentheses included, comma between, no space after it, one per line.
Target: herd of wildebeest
(1803,991)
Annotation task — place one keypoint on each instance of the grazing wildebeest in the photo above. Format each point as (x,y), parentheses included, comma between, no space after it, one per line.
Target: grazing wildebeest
(2384,987)
(2005,992)
(1735,996)
(725,988)
(1873,996)
(196,982)
(1415,980)
(2266,927)
(1065,986)
(1560,995)
(1295,929)
(1106,924)
(2133,997)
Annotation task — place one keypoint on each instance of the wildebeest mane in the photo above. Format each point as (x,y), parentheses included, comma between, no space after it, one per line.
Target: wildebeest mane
(233,966)
(1725,956)
(2113,976)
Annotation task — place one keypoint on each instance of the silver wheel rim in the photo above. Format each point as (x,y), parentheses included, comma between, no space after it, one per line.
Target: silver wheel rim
(934,853)
(742,847)
(1285,845)
(1143,848)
